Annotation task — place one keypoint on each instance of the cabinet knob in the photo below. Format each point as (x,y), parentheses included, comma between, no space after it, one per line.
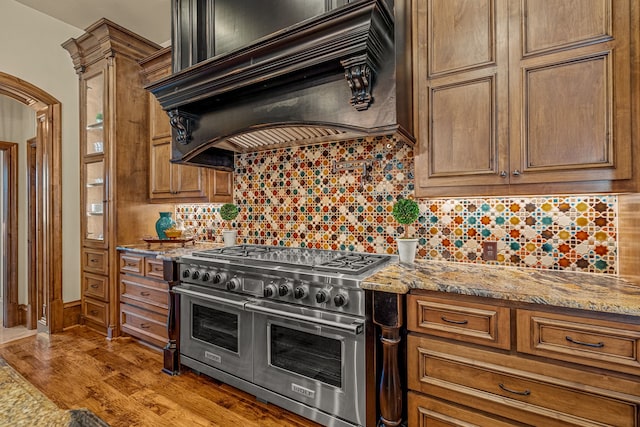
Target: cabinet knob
(516,173)
(503,174)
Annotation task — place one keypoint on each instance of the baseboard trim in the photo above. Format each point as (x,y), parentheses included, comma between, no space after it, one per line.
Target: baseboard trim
(71,314)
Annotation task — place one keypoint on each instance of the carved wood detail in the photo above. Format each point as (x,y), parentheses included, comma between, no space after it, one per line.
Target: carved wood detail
(184,124)
(359,75)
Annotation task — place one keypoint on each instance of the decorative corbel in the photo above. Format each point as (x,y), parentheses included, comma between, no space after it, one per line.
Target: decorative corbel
(183,123)
(359,74)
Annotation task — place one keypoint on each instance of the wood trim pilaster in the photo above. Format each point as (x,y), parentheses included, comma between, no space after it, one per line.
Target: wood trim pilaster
(388,314)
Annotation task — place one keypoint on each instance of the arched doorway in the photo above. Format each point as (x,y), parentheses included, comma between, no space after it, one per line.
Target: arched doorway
(45,305)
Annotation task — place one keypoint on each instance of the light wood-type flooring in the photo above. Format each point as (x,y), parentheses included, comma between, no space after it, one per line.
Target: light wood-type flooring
(10,334)
(121,381)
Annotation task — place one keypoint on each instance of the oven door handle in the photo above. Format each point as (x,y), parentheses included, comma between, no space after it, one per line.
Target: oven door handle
(208,297)
(355,327)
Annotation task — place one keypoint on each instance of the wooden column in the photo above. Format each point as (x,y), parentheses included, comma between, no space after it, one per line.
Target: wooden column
(172,349)
(388,312)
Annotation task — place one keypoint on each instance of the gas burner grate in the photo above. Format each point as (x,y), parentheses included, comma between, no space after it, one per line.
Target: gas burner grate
(301,258)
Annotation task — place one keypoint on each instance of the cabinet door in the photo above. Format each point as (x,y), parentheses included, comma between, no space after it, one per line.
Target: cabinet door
(570,91)
(461,75)
(178,183)
(160,170)
(160,127)
(222,186)
(190,182)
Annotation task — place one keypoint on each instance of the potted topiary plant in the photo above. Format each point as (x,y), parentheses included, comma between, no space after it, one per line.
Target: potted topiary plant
(229,212)
(406,211)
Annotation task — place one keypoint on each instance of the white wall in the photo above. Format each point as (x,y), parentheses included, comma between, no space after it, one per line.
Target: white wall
(17,124)
(30,50)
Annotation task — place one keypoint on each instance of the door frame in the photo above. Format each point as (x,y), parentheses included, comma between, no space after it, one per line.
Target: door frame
(49,198)
(10,315)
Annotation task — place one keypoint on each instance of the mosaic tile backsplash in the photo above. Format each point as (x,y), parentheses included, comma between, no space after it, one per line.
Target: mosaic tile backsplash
(294,197)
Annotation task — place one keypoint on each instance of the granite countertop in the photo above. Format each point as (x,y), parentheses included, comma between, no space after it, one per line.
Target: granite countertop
(169,250)
(586,291)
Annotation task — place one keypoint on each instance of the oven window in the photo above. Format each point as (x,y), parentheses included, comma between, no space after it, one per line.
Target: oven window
(215,327)
(307,354)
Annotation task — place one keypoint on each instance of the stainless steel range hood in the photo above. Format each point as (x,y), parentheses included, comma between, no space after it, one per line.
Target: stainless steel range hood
(342,74)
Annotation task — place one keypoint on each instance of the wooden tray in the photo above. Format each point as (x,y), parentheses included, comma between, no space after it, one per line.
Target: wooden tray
(182,242)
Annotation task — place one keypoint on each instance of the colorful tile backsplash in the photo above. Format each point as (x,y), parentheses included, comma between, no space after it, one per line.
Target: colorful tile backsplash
(295,197)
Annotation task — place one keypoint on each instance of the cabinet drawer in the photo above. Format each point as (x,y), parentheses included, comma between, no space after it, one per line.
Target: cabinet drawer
(96,311)
(424,411)
(593,342)
(144,291)
(517,394)
(95,286)
(154,268)
(132,264)
(95,260)
(144,324)
(463,321)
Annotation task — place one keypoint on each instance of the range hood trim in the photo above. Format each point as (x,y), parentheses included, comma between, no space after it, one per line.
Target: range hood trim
(305,46)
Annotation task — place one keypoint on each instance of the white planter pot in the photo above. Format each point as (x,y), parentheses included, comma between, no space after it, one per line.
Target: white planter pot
(230,237)
(407,250)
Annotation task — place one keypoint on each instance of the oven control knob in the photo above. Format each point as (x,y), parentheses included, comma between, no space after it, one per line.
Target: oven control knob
(340,300)
(186,274)
(270,290)
(285,289)
(233,284)
(206,277)
(195,275)
(322,296)
(300,292)
(220,278)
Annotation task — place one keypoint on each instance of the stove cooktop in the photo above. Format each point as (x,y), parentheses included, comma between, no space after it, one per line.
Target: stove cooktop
(315,259)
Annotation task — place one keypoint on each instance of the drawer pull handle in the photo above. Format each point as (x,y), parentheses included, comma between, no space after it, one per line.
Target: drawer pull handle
(455,322)
(94,286)
(587,344)
(521,393)
(145,294)
(145,326)
(93,260)
(93,312)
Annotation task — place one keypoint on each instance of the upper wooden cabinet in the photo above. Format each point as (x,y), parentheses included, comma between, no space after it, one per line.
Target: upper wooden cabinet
(524,97)
(168,182)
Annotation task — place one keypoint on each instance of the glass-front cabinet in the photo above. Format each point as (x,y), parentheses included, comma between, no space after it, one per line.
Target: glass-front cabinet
(95,197)
(93,159)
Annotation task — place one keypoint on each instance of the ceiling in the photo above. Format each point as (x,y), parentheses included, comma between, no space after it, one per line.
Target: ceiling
(149,18)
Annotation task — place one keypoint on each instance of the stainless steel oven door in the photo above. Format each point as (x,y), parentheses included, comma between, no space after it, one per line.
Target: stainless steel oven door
(314,357)
(216,330)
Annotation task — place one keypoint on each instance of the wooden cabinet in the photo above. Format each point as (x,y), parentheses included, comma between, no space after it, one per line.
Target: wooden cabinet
(524,97)
(168,182)
(114,157)
(144,298)
(454,378)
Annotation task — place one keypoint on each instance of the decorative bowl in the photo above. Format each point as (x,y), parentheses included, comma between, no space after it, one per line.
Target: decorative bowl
(173,233)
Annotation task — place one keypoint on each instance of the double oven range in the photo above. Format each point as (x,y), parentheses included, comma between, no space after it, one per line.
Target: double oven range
(284,324)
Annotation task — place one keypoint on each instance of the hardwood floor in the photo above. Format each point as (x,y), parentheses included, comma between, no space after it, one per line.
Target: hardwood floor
(121,382)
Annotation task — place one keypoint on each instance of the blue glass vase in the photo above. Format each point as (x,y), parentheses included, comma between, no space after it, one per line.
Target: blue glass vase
(163,223)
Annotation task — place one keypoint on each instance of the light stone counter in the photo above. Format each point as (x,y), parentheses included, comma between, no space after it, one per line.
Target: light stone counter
(169,250)
(586,291)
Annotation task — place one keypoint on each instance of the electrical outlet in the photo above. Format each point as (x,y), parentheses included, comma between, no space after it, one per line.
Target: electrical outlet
(489,251)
